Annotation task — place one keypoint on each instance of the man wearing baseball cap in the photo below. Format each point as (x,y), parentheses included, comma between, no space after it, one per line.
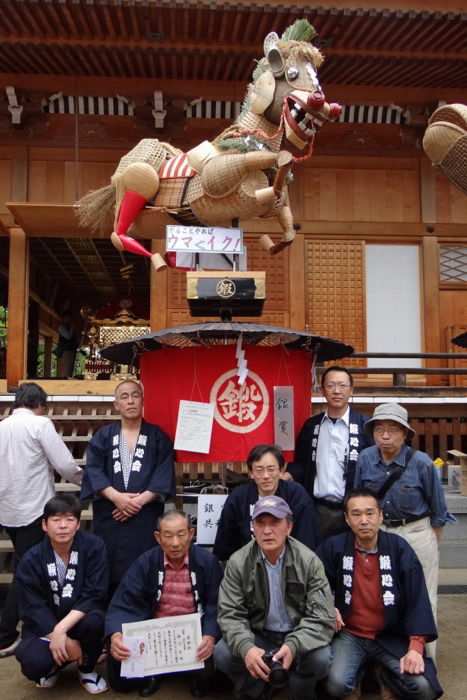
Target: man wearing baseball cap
(274,598)
(408,487)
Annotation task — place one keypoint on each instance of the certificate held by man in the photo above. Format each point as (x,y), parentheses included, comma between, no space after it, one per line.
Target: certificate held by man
(162,645)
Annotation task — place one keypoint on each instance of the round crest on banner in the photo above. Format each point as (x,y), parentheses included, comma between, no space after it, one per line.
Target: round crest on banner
(200,363)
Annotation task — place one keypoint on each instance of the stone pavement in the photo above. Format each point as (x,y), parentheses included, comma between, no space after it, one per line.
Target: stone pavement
(451,658)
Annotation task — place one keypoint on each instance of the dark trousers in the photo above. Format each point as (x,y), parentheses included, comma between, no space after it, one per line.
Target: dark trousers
(23,538)
(331,520)
(126,685)
(34,654)
(306,670)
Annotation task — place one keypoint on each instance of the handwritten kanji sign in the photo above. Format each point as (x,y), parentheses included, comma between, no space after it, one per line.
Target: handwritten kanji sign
(204,239)
(209,512)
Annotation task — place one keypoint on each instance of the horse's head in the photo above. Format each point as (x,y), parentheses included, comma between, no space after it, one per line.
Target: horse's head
(286,87)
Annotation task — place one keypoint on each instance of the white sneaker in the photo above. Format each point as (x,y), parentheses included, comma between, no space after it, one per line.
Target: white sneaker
(48,681)
(93,682)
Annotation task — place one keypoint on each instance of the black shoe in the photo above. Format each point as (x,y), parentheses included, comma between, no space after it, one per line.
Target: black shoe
(198,689)
(150,687)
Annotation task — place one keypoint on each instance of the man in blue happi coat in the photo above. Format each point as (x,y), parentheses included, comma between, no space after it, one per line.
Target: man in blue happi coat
(62,592)
(383,612)
(129,474)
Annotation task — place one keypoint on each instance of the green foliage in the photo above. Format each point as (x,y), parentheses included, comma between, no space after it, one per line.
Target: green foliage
(300,30)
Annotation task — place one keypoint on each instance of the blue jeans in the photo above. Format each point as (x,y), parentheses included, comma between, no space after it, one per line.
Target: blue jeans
(306,670)
(349,656)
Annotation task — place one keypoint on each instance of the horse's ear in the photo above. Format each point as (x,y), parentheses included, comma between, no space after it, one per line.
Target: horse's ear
(276,62)
(273,54)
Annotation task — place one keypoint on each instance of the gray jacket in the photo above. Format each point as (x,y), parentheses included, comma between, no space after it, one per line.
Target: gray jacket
(244,599)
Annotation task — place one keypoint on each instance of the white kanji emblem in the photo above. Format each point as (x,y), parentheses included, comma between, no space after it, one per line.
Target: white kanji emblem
(74,558)
(115,440)
(354,442)
(51,569)
(136,467)
(142,440)
(353,429)
(56,599)
(313,455)
(316,430)
(353,455)
(347,578)
(314,442)
(388,598)
(67,591)
(347,563)
(54,585)
(139,452)
(385,562)
(347,597)
(70,575)
(117,467)
(115,453)
(386,580)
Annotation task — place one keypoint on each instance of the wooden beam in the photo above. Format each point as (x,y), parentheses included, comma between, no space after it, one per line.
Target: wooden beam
(18,297)
(158,301)
(297,315)
(431,300)
(219,89)
(428,191)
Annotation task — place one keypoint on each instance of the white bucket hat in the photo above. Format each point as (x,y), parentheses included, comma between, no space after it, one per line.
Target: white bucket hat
(389,411)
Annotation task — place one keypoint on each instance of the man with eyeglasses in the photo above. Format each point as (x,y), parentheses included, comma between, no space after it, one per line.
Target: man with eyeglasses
(129,473)
(266,468)
(327,450)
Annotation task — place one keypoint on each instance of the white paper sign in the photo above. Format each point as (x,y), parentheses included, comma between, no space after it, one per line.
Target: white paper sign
(209,513)
(194,426)
(203,239)
(163,645)
(284,417)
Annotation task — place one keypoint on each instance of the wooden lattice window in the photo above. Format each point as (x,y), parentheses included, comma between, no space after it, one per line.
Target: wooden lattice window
(453,263)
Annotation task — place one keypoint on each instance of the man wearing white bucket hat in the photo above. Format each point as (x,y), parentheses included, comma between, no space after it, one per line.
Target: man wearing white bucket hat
(408,487)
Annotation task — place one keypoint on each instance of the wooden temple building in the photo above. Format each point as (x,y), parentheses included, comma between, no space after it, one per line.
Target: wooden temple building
(380,257)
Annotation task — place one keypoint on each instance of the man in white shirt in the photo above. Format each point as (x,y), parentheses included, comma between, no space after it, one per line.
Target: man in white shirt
(30,451)
(327,450)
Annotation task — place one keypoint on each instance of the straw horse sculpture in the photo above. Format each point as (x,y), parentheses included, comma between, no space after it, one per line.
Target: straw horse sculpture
(244,172)
(445,142)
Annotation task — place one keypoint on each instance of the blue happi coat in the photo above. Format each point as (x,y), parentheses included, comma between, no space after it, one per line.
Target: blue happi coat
(407,608)
(234,529)
(152,470)
(43,602)
(138,595)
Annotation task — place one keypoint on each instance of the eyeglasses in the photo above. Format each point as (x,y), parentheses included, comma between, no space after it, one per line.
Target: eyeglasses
(336,385)
(265,470)
(380,430)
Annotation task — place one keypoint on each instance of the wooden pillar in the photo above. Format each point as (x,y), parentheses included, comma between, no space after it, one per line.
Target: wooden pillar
(18,297)
(48,344)
(431,301)
(158,291)
(297,318)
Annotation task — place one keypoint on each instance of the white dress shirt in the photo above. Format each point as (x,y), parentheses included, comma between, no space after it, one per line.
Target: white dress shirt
(331,456)
(30,450)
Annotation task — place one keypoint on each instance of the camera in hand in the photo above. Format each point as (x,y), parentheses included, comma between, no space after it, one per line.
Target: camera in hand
(278,676)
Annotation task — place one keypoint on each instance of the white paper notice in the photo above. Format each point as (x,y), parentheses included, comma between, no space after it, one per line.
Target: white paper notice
(165,645)
(194,426)
(209,512)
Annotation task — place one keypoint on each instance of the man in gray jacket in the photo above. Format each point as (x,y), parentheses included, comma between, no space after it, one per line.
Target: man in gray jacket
(275,607)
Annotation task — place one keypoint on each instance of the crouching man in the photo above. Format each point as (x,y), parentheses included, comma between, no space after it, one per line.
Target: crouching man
(274,598)
(174,578)
(62,589)
(383,612)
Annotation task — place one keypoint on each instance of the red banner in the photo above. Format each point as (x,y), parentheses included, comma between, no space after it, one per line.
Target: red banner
(243,416)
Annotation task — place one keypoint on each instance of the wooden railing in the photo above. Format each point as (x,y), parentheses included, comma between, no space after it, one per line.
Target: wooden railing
(399,374)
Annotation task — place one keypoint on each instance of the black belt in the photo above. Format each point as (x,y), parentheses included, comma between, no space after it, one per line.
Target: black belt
(333,505)
(404,521)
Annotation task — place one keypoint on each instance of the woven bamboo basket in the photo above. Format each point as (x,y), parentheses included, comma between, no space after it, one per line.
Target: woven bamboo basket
(240,204)
(454,165)
(439,138)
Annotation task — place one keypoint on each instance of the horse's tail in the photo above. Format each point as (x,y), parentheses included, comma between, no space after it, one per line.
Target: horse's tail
(96,209)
